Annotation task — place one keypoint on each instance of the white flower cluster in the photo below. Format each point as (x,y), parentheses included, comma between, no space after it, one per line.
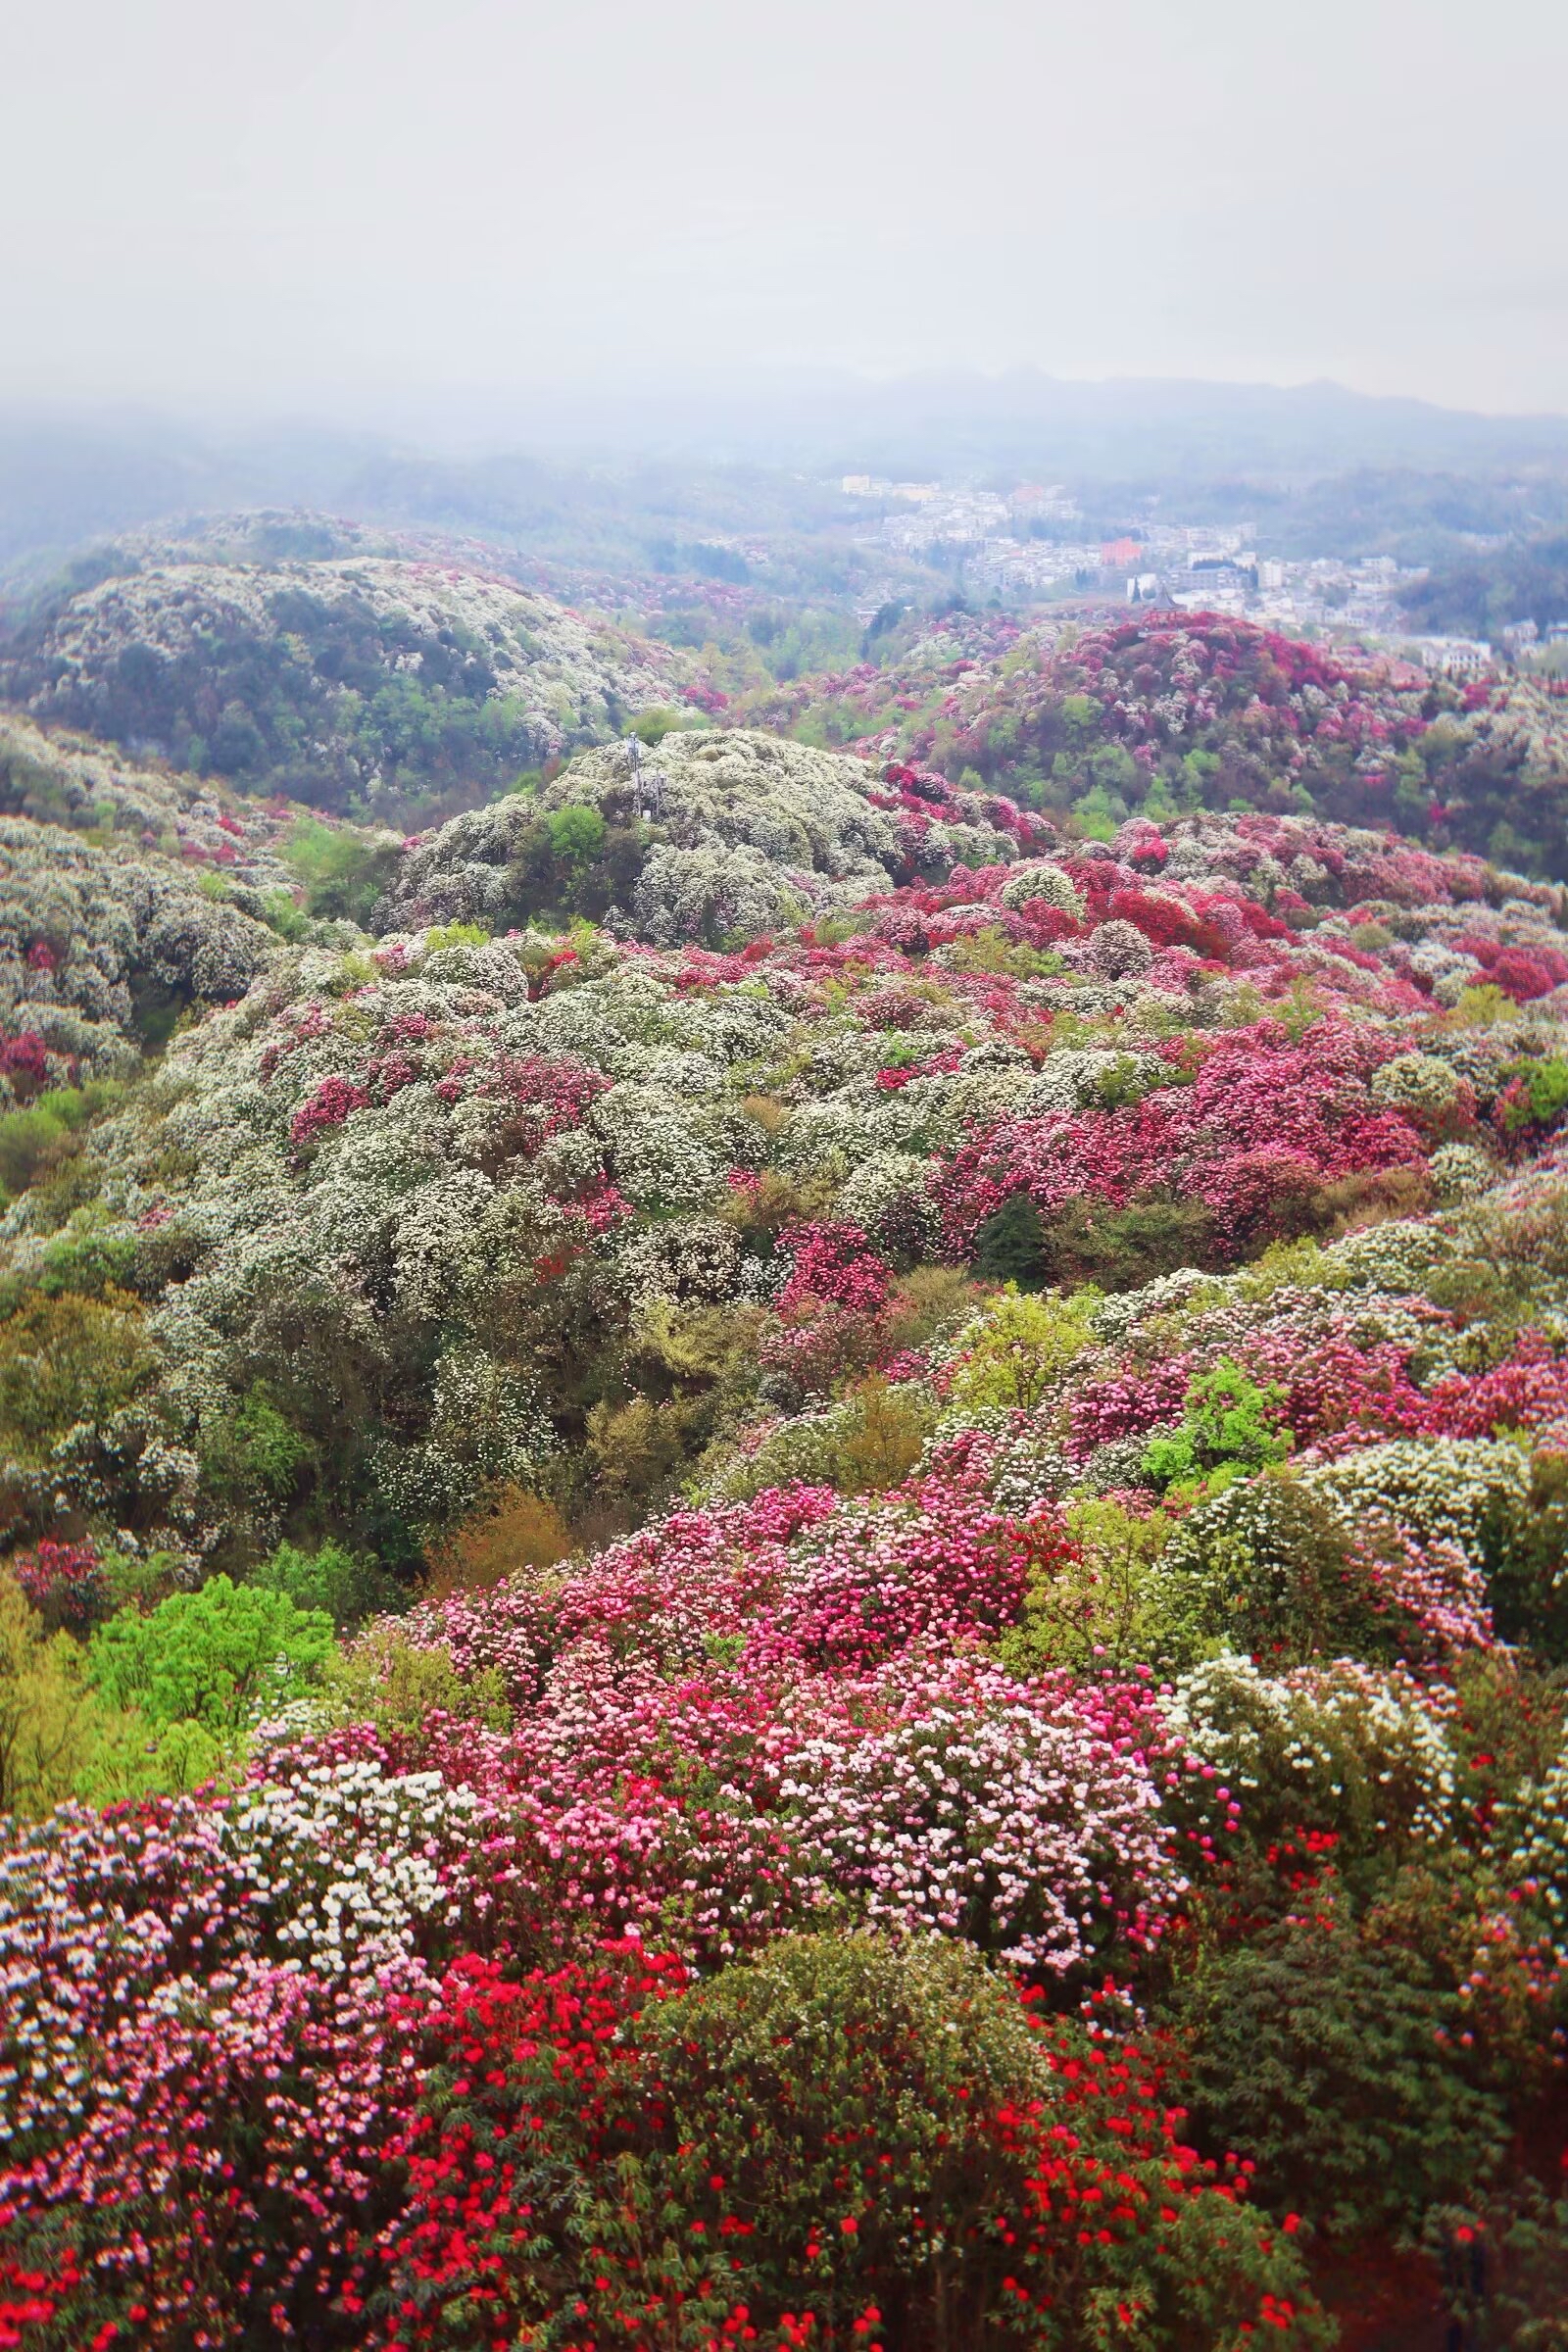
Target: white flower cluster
(81,926)
(351,1860)
(1341,1746)
(745,832)
(1416,1082)
(1439,1489)
(1039,879)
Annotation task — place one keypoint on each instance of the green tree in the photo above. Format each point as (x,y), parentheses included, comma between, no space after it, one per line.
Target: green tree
(344,872)
(577,835)
(1230,1427)
(331,1579)
(210,1656)
(48,1718)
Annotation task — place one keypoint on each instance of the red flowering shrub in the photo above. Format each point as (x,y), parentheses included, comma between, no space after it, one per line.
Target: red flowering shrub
(24,1060)
(65,1582)
(330,1106)
(836,1263)
(1262,1126)
(842,2143)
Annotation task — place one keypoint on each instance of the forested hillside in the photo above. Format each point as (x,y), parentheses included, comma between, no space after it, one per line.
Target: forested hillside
(368,685)
(784,1535)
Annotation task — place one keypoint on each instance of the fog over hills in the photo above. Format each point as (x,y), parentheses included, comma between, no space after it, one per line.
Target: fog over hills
(526,463)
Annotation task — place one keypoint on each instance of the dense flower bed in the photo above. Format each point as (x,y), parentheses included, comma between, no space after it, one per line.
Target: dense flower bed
(1203,711)
(854,1638)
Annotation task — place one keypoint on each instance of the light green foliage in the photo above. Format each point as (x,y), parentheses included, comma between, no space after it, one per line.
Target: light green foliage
(652,726)
(385,1680)
(134,1759)
(332,1580)
(60,1738)
(1094,1608)
(29,1139)
(870,1442)
(48,1719)
(1546,1090)
(1483,1006)
(256,1447)
(215,1656)
(87,1259)
(1229,1429)
(343,872)
(1021,1348)
(64,1360)
(454,934)
(576,834)
(280,913)
(989,949)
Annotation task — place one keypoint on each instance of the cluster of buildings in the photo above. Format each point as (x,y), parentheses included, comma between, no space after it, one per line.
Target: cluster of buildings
(913,517)
(1024,548)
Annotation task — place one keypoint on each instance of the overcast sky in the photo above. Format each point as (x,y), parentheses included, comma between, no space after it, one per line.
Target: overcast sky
(352,206)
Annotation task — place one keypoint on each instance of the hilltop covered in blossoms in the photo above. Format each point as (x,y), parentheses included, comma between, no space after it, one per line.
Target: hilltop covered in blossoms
(384,686)
(784,1566)
(708,837)
(128,896)
(1174,711)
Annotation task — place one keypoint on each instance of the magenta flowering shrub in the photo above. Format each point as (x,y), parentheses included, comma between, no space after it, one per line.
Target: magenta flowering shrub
(1258,1126)
(330,1106)
(65,1582)
(1279,723)
(749,1718)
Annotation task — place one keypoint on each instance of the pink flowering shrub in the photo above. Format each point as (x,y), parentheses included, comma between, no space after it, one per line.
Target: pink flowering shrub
(333,1100)
(65,1582)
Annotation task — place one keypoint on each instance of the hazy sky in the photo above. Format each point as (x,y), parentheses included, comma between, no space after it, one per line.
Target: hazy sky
(353,204)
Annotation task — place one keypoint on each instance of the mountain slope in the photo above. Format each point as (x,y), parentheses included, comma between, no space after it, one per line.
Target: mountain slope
(1185,711)
(390,688)
(126,898)
(954,1512)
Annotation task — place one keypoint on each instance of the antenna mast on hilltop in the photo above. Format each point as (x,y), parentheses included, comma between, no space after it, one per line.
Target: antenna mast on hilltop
(648,783)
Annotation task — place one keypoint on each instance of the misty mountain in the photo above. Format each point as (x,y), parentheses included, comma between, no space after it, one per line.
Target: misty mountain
(610,474)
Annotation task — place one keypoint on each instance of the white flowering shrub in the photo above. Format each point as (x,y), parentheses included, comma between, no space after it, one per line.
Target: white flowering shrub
(1417,1081)
(1344,1748)
(1441,1490)
(1038,878)
(1460,1172)
(352,1861)
(237,668)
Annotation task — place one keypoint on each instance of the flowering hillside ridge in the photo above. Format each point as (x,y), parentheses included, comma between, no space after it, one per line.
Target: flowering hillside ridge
(783,1565)
(374,680)
(1178,710)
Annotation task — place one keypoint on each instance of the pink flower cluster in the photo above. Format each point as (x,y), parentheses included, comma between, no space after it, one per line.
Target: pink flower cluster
(1261,1119)
(65,1582)
(332,1101)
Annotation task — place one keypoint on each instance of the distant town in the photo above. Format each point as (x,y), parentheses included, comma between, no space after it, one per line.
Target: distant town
(1028,547)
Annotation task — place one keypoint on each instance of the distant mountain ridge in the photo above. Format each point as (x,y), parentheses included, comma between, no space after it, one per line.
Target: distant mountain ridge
(526,459)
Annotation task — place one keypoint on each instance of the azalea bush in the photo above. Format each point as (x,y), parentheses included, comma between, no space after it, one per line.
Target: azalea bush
(839,2144)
